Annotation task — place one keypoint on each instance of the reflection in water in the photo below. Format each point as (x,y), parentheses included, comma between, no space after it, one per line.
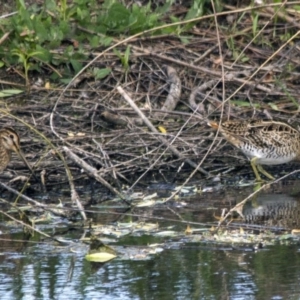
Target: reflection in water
(195,272)
(273,209)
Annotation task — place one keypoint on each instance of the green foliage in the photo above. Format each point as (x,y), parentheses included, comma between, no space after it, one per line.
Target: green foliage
(36,32)
(9,93)
(101,73)
(24,57)
(236,51)
(255,24)
(197,9)
(241,103)
(124,58)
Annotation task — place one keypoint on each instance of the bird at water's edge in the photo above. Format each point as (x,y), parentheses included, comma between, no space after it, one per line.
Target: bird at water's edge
(10,141)
(263,142)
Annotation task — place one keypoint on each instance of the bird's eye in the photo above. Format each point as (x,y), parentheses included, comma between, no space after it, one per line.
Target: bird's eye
(11,136)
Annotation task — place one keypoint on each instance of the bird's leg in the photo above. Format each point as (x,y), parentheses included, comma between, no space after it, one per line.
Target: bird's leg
(256,167)
(263,171)
(253,165)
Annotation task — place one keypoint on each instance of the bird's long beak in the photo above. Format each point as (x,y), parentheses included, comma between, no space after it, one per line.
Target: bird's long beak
(21,155)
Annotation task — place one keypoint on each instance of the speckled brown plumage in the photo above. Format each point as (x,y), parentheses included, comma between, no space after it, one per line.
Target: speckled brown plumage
(9,141)
(263,142)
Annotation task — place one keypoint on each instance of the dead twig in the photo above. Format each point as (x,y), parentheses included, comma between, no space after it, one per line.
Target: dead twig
(93,173)
(158,135)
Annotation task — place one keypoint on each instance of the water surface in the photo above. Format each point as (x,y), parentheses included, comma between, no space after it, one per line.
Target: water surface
(38,269)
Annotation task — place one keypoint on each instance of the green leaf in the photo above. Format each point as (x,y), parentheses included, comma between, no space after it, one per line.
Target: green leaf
(117,53)
(101,73)
(106,41)
(273,106)
(66,80)
(244,103)
(94,41)
(255,24)
(126,56)
(165,8)
(8,93)
(184,40)
(43,54)
(21,4)
(297,7)
(76,65)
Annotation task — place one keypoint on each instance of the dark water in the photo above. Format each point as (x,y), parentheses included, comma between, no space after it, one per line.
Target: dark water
(188,270)
(189,273)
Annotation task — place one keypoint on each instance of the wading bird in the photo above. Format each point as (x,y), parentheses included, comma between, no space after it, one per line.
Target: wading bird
(263,142)
(10,141)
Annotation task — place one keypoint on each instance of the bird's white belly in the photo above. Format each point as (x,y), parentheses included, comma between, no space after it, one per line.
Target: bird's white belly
(265,158)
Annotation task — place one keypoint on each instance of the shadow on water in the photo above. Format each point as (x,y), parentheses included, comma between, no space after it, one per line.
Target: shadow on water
(185,269)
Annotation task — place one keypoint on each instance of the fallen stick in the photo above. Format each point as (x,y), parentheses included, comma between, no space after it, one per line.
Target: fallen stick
(93,173)
(159,136)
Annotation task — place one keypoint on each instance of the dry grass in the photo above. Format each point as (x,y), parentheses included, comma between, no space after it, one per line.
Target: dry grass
(249,78)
